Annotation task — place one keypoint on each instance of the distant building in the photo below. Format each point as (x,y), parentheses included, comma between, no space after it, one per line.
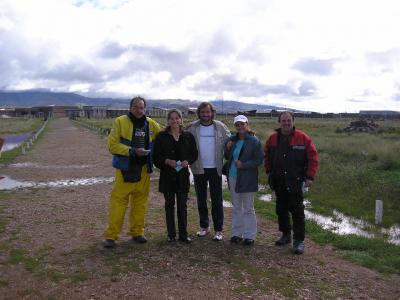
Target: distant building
(387,114)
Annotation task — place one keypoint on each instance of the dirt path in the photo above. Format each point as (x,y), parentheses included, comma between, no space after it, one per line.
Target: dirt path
(50,243)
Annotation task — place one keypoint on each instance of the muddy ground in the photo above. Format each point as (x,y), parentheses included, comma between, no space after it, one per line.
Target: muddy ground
(50,243)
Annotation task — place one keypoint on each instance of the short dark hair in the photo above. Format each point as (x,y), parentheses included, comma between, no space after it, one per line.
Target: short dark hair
(204,105)
(285,112)
(137,98)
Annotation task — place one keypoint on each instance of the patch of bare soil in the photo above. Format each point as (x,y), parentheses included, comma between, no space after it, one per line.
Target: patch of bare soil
(50,243)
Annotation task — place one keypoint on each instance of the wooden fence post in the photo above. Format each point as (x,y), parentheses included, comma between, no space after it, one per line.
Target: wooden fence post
(378,212)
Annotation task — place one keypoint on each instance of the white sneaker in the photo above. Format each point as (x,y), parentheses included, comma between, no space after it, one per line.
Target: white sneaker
(218,236)
(203,232)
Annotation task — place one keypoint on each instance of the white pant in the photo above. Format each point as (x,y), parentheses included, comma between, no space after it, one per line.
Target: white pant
(244,223)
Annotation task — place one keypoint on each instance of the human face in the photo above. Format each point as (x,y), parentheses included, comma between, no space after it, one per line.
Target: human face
(137,108)
(286,122)
(174,121)
(241,128)
(206,115)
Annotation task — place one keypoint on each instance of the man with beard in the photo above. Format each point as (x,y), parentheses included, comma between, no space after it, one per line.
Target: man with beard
(130,142)
(291,161)
(210,136)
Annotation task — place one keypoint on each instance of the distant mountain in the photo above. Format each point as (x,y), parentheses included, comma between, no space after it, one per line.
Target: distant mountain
(233,106)
(43,97)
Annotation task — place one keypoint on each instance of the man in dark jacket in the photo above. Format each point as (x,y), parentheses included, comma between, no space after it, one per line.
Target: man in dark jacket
(291,161)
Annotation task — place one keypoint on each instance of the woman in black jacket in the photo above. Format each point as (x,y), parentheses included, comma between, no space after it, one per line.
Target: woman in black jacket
(174,151)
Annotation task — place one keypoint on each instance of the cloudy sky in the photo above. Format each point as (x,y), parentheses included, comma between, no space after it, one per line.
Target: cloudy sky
(327,56)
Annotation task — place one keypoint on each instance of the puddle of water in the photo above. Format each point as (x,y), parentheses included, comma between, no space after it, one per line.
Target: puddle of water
(393,233)
(262,187)
(227,204)
(38,166)
(344,225)
(341,224)
(266,197)
(13,141)
(224,180)
(7,183)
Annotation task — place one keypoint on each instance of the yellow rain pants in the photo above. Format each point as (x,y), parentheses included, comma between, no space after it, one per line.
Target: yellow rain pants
(137,194)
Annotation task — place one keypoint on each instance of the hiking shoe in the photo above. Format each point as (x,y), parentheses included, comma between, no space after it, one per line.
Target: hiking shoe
(186,240)
(203,232)
(248,242)
(171,239)
(218,236)
(284,240)
(109,244)
(236,239)
(139,239)
(298,247)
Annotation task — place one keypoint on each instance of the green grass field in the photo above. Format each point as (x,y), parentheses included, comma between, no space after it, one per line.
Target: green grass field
(19,125)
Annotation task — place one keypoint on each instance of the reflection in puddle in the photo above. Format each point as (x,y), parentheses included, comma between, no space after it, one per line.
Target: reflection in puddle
(265,197)
(339,223)
(343,225)
(227,204)
(13,141)
(262,187)
(7,183)
(39,166)
(393,233)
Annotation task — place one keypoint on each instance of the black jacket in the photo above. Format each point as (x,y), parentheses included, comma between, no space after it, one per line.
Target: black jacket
(170,179)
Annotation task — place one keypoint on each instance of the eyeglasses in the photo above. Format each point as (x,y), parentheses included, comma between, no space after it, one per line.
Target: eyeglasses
(237,124)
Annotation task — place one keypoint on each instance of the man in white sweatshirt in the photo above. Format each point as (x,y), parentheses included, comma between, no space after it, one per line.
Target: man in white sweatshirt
(210,136)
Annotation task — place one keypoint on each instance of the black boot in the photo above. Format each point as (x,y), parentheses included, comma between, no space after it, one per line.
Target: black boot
(284,240)
(298,247)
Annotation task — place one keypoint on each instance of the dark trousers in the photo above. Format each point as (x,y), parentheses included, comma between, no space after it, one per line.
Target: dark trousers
(181,199)
(289,202)
(211,177)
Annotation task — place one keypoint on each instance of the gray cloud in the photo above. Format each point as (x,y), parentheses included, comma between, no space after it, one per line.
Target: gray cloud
(221,44)
(74,71)
(158,59)
(356,100)
(111,50)
(307,88)
(19,62)
(396,96)
(315,66)
(385,58)
(252,88)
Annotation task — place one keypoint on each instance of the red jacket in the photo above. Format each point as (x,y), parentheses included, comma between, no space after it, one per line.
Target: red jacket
(301,161)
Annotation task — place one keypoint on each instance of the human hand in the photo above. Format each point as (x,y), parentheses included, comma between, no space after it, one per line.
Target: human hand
(141,152)
(308,183)
(185,164)
(229,145)
(170,162)
(239,164)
